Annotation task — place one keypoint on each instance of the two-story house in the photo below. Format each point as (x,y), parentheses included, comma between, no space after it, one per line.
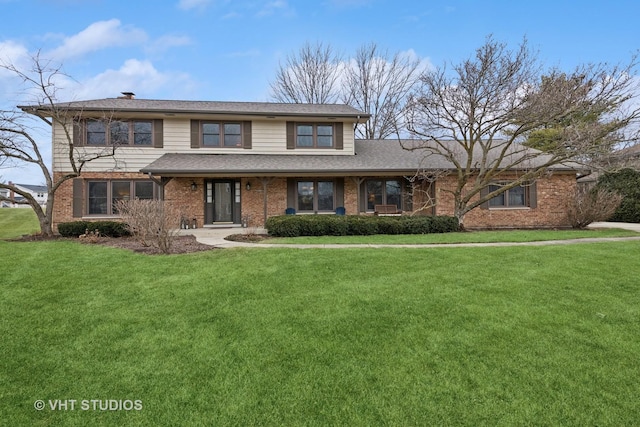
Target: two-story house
(229,163)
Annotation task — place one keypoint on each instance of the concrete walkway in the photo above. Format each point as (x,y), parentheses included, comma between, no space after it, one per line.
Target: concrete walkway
(216,237)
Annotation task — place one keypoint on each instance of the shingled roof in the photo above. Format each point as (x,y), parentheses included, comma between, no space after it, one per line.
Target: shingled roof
(373,157)
(204,107)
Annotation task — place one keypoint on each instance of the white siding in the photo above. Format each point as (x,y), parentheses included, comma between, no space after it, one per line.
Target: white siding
(268,137)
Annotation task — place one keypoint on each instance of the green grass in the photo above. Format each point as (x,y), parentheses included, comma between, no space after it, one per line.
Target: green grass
(465,237)
(446,336)
(14,222)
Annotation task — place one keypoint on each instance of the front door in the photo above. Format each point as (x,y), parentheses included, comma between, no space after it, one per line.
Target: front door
(220,201)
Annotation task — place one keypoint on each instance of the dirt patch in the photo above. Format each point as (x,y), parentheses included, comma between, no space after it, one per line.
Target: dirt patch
(247,238)
(180,244)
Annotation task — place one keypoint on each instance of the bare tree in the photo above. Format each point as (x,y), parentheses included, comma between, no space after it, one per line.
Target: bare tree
(592,204)
(310,76)
(477,118)
(379,84)
(19,144)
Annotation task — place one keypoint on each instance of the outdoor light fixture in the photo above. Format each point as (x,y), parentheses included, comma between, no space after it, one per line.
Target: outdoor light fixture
(248,186)
(194,186)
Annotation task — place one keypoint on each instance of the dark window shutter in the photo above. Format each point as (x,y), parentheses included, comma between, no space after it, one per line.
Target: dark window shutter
(533,195)
(339,136)
(78,133)
(78,199)
(246,137)
(407,201)
(158,136)
(483,193)
(291,193)
(195,133)
(339,192)
(291,135)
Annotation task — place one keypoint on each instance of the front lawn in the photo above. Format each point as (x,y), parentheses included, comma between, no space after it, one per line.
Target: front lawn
(14,222)
(445,336)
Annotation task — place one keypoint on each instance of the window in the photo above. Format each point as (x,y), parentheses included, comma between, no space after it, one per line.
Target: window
(383,192)
(102,196)
(314,136)
(120,132)
(315,196)
(221,134)
(516,197)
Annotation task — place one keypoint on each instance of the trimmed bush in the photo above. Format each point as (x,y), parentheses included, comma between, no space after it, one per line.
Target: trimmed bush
(357,225)
(106,228)
(627,183)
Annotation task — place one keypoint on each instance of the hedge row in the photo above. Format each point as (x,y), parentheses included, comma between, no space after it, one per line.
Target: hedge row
(627,183)
(106,228)
(357,225)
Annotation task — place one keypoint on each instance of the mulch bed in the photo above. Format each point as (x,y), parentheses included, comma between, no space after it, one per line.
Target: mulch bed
(180,244)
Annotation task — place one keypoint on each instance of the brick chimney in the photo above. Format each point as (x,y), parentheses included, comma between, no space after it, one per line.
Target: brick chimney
(127,95)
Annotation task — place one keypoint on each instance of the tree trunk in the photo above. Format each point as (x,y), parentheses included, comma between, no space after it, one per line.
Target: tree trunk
(459,212)
(45,216)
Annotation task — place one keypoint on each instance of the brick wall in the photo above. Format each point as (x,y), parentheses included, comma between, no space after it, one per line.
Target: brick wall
(253,200)
(190,203)
(552,195)
(63,203)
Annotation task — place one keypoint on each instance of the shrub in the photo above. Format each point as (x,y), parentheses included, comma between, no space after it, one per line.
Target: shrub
(627,183)
(106,228)
(357,225)
(361,225)
(152,222)
(590,205)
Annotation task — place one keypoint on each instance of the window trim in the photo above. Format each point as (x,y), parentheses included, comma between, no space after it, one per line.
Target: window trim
(337,142)
(402,194)
(81,132)
(530,198)
(109,196)
(197,134)
(315,182)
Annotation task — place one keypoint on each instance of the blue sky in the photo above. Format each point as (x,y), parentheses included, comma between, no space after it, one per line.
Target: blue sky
(229,50)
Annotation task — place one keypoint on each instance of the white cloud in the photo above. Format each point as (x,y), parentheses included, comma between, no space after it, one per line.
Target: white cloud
(167,42)
(193,4)
(137,76)
(275,6)
(97,36)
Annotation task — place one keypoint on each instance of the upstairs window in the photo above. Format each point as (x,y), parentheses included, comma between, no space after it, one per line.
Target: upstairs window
(209,134)
(314,135)
(120,132)
(221,134)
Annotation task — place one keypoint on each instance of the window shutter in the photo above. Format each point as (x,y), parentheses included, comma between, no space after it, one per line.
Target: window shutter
(291,135)
(339,136)
(78,199)
(533,195)
(339,192)
(291,193)
(246,137)
(195,133)
(483,193)
(158,137)
(79,131)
